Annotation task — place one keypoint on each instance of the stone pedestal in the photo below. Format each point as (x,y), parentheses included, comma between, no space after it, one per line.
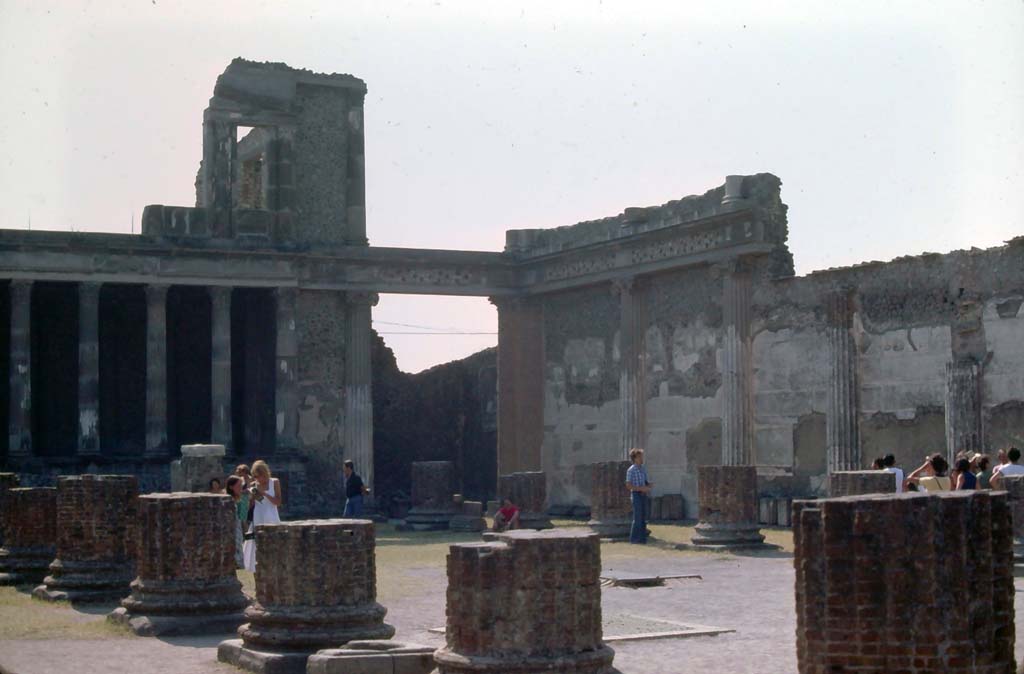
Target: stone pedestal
(529,491)
(432,504)
(186,566)
(7,481)
(97,538)
(1013,485)
(196,467)
(542,588)
(727,503)
(469,518)
(905,583)
(858,482)
(316,588)
(611,512)
(29,520)
(373,657)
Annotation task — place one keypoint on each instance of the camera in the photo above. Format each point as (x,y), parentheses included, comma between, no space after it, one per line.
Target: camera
(254,491)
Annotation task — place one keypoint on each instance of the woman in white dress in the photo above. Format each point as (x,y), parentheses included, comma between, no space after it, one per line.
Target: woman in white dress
(266,491)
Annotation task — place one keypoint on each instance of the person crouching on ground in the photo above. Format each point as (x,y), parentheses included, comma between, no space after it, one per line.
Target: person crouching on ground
(507,517)
(639,487)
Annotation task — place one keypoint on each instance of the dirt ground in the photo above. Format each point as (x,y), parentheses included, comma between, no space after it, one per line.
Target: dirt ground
(751,594)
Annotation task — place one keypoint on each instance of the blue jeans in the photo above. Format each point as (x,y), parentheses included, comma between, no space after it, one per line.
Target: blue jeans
(638,532)
(354,506)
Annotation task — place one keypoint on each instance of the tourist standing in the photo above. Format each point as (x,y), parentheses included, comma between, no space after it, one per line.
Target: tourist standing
(984,471)
(238,494)
(354,490)
(932,474)
(266,492)
(1011,468)
(965,479)
(639,487)
(889,464)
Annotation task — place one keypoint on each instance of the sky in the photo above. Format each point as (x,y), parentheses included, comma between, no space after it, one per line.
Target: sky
(896,128)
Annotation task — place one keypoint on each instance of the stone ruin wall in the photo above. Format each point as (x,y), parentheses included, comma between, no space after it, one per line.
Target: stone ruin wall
(909,318)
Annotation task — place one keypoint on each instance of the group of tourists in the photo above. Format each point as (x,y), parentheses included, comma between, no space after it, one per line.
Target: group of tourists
(970,470)
(257,495)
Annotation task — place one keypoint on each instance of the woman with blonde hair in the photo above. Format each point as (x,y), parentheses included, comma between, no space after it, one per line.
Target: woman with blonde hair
(266,493)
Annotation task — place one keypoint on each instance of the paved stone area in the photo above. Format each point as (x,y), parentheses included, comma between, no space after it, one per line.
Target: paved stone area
(752,594)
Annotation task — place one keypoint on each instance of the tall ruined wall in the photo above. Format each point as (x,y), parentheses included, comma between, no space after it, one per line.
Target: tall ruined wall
(446,413)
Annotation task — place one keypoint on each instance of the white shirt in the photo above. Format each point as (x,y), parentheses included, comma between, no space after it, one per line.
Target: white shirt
(1009,469)
(898,472)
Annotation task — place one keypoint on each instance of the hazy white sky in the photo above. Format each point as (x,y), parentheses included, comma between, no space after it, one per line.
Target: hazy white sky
(896,127)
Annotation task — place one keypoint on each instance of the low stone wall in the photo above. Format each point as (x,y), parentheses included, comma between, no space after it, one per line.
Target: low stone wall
(97,539)
(856,482)
(728,506)
(186,566)
(543,588)
(29,520)
(905,583)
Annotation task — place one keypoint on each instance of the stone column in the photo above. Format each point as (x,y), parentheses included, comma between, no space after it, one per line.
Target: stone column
(529,491)
(432,503)
(355,193)
(156,371)
(20,409)
(611,511)
(286,394)
(96,539)
(88,369)
(358,384)
(29,522)
(219,147)
(874,597)
(843,414)
(543,588)
(728,507)
(860,482)
(631,387)
(316,587)
(964,421)
(186,567)
(737,375)
(520,383)
(220,359)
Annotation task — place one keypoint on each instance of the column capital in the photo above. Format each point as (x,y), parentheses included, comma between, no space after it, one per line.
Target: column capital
(89,290)
(21,286)
(359,297)
(287,293)
(623,286)
(156,292)
(733,266)
(220,296)
(513,302)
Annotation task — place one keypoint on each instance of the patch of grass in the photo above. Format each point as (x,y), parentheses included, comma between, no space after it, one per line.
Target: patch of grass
(22,617)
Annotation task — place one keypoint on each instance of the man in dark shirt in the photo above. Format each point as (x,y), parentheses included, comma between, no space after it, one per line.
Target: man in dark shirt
(354,490)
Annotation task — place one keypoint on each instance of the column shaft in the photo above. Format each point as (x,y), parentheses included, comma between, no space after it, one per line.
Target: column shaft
(842,420)
(20,407)
(631,387)
(220,363)
(355,219)
(156,371)
(520,384)
(358,384)
(88,369)
(286,391)
(738,415)
(964,420)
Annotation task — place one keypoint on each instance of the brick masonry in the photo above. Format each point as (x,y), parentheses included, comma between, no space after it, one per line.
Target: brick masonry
(728,506)
(1014,487)
(529,491)
(529,601)
(186,566)
(29,520)
(856,482)
(905,583)
(97,538)
(7,481)
(610,509)
(316,588)
(432,488)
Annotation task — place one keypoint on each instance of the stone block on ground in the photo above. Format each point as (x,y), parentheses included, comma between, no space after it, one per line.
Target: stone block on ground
(97,534)
(728,507)
(373,657)
(528,491)
(29,518)
(611,512)
(186,565)
(316,588)
(469,518)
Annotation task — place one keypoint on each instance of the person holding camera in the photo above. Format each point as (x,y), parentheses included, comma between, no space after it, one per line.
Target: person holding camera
(265,492)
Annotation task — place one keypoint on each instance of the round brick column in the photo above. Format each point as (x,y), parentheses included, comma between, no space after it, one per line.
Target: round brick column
(316,587)
(7,481)
(29,519)
(530,601)
(727,502)
(432,504)
(529,491)
(916,583)
(186,567)
(611,512)
(96,539)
